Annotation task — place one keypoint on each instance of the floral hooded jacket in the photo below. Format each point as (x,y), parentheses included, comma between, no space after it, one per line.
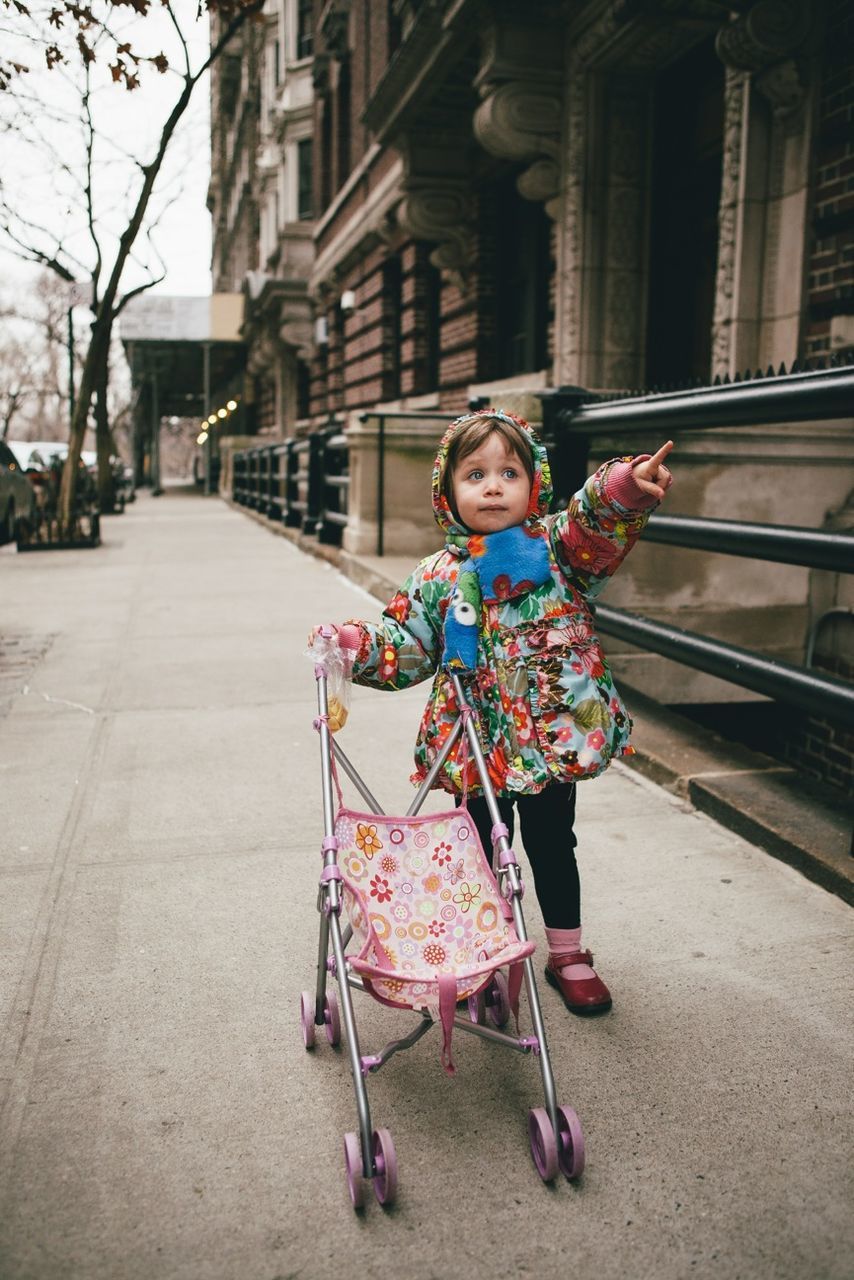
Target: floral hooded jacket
(542,694)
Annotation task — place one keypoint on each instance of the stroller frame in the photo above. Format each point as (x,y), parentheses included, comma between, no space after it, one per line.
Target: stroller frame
(556,1139)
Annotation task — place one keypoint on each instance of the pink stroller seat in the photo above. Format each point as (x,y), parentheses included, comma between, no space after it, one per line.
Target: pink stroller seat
(426,912)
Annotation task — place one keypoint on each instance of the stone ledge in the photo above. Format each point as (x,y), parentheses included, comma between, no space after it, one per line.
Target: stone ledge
(791,816)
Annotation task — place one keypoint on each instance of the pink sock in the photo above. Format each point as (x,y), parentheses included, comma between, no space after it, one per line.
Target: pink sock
(561,941)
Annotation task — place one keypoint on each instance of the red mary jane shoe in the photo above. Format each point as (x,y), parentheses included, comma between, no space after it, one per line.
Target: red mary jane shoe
(580,995)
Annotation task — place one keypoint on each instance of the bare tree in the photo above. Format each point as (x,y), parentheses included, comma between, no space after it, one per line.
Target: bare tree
(86,27)
(18,379)
(34,359)
(27,235)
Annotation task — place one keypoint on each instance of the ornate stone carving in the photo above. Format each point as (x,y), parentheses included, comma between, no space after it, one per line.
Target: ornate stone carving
(320,74)
(597,36)
(771,31)
(734,106)
(764,42)
(441,210)
(335,27)
(520,121)
(623,259)
(520,85)
(783,86)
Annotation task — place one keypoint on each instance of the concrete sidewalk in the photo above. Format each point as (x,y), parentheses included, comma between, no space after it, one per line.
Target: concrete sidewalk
(159,865)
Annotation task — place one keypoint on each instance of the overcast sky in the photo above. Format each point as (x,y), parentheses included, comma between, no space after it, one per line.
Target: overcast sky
(130,122)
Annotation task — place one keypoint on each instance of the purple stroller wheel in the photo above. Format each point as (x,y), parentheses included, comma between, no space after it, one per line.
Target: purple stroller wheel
(306,1009)
(332,1018)
(498,1000)
(543,1143)
(385,1164)
(353,1166)
(570,1143)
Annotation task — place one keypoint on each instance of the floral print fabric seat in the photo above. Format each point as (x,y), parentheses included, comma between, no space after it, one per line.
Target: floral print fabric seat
(424,907)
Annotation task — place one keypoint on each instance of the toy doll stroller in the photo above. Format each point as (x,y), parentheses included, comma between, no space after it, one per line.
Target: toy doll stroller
(432,930)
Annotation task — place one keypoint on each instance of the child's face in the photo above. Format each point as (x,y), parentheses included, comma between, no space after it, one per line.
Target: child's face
(491,488)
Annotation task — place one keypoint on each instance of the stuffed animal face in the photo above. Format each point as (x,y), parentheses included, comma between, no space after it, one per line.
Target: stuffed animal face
(463,620)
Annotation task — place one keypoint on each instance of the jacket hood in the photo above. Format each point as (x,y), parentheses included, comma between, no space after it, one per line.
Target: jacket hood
(541,487)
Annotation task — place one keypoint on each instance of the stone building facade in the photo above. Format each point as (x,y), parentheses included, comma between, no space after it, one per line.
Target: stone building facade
(421,197)
(608,194)
(261,200)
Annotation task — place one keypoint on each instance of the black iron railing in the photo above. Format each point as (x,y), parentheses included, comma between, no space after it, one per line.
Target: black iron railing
(573,418)
(301,482)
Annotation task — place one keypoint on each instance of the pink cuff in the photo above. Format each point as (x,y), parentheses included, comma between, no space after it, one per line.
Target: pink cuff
(350,636)
(621,486)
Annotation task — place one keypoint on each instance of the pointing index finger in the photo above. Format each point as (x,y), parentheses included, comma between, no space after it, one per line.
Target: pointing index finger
(658,457)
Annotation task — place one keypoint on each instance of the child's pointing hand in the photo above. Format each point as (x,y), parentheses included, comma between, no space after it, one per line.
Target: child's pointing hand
(652,475)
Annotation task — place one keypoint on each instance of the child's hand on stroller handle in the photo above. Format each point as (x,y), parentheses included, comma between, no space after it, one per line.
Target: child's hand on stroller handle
(325,629)
(346,637)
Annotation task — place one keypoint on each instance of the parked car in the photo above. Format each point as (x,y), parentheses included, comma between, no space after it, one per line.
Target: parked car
(123,481)
(34,461)
(29,456)
(18,507)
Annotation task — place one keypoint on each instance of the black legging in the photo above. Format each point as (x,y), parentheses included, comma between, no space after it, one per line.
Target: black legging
(547,822)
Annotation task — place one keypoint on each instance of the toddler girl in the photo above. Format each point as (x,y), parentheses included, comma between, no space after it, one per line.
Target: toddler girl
(506,605)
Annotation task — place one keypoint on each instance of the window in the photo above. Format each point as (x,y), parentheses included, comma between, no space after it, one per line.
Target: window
(433,321)
(342,105)
(522,282)
(391,312)
(305,29)
(686,186)
(305,203)
(393,26)
(325,154)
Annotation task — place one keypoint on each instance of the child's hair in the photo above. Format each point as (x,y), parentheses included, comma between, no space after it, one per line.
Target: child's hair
(472,435)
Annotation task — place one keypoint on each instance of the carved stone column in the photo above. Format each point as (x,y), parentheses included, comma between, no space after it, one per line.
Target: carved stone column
(765,185)
(735,99)
(577,232)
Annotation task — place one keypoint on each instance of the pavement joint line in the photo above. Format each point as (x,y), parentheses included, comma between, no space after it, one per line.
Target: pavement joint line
(32,1004)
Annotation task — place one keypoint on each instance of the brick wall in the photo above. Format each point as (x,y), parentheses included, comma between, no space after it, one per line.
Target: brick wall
(831,264)
(822,749)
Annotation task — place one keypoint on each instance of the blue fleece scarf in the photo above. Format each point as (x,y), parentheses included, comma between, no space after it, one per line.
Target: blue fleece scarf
(498,566)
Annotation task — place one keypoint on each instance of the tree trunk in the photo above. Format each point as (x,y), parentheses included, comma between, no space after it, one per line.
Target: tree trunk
(95,358)
(104,439)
